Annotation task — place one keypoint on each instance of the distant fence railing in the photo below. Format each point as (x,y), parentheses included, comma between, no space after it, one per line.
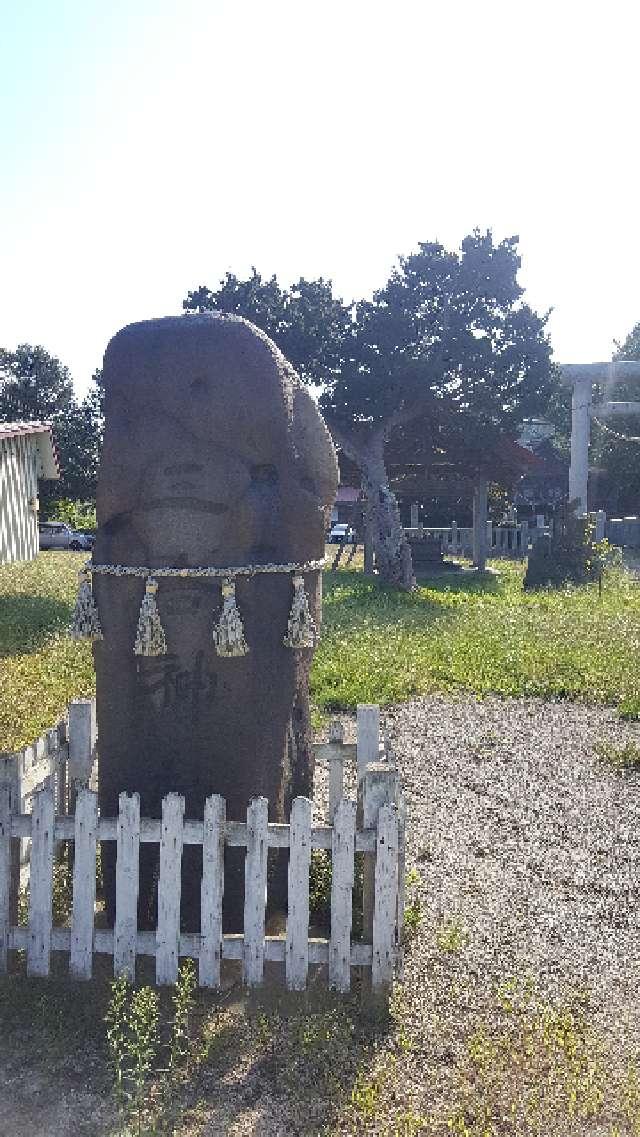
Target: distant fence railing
(373,827)
(502,540)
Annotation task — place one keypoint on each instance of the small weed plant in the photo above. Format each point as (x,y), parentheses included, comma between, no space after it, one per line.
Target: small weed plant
(451,937)
(137,1044)
(412,908)
(620,758)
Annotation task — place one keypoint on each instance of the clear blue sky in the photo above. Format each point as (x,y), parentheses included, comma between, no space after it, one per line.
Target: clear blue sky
(147,146)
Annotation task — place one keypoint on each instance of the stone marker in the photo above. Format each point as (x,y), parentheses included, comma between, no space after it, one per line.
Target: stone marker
(214,456)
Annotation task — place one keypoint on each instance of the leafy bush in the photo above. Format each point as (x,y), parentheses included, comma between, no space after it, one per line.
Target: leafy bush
(78,514)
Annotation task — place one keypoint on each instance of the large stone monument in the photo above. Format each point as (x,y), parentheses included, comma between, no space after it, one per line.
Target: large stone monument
(215,459)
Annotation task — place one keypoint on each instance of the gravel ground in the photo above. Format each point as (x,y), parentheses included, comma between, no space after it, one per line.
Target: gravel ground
(525,848)
(523,837)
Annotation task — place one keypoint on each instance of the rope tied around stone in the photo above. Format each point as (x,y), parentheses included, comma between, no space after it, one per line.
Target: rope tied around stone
(228,634)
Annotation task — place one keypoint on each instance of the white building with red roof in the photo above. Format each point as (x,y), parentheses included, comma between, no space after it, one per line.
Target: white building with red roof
(27,453)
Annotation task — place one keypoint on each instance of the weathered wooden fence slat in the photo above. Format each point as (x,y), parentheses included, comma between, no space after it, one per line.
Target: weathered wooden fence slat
(84,885)
(127,869)
(386,897)
(5,874)
(297,941)
(336,765)
(41,891)
(368,743)
(342,880)
(211,892)
(169,890)
(255,891)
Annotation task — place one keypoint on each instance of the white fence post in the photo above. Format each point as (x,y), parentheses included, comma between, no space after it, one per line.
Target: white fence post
(82,741)
(368,725)
(255,891)
(5,874)
(297,940)
(41,884)
(379,787)
(212,890)
(11,772)
(125,932)
(84,884)
(386,898)
(169,890)
(343,844)
(336,766)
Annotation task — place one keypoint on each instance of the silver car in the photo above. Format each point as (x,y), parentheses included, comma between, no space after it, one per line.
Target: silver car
(58,535)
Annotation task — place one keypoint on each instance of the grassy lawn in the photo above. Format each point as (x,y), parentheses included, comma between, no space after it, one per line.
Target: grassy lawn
(481,636)
(41,668)
(377,645)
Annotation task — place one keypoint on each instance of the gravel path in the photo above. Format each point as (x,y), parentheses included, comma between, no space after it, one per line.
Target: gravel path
(527,852)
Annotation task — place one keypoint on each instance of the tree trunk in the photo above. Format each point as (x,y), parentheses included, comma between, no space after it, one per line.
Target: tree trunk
(384,536)
(390,546)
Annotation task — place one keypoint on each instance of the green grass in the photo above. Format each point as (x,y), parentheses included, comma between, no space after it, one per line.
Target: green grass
(454,634)
(619,758)
(477,635)
(41,668)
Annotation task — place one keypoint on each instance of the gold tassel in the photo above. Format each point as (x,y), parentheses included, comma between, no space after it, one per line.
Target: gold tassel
(228,635)
(85,624)
(150,637)
(301,630)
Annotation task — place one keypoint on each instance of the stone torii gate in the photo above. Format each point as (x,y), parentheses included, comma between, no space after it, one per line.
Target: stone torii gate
(582,376)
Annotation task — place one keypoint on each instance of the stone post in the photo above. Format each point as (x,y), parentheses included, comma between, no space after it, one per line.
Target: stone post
(601,525)
(480,525)
(415,514)
(454,537)
(580,434)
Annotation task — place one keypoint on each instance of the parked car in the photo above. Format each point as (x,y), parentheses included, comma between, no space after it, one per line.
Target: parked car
(58,535)
(341,534)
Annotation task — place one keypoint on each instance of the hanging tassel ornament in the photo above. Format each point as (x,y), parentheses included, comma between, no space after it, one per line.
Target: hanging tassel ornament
(85,624)
(150,637)
(301,630)
(228,635)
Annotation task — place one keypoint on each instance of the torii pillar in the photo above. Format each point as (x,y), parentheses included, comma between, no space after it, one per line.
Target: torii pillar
(582,376)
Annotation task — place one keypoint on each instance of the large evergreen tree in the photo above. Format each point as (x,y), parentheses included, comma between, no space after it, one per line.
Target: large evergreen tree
(448,337)
(447,340)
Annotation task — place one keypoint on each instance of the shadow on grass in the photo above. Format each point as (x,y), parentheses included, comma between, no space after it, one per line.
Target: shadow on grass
(27,621)
(302,1052)
(468,583)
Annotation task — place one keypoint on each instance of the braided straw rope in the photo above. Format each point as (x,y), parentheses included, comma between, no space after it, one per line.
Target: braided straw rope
(203,572)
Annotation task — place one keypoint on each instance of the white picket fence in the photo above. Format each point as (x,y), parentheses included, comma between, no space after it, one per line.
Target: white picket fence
(63,758)
(379,835)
